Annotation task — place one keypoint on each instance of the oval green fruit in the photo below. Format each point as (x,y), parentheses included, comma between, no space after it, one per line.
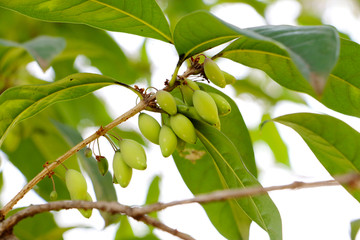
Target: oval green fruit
(167,141)
(88,152)
(183,128)
(103,165)
(166,101)
(205,106)
(149,127)
(229,79)
(76,184)
(86,212)
(133,154)
(187,89)
(222,105)
(53,195)
(122,172)
(214,73)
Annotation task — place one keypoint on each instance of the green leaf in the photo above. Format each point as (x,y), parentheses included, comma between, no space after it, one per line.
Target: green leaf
(19,103)
(43,48)
(40,226)
(153,196)
(233,126)
(355,226)
(289,57)
(334,143)
(103,185)
(232,170)
(140,17)
(313,50)
(198,171)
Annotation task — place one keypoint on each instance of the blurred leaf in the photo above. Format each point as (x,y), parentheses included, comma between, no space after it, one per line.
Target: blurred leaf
(33,143)
(270,135)
(124,231)
(355,226)
(140,17)
(19,103)
(334,143)
(233,126)
(103,185)
(40,227)
(259,6)
(200,174)
(43,48)
(232,170)
(153,196)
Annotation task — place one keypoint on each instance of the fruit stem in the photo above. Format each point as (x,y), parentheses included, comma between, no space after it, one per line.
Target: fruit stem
(174,76)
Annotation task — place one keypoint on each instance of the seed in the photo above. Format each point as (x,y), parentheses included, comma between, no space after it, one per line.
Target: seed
(166,101)
(205,106)
(229,79)
(214,73)
(122,172)
(167,141)
(222,105)
(183,128)
(187,89)
(76,184)
(133,154)
(149,127)
(103,165)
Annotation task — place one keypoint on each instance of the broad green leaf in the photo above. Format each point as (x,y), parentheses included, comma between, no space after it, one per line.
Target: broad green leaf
(313,50)
(270,135)
(334,143)
(40,226)
(355,227)
(232,170)
(19,103)
(33,143)
(201,176)
(43,48)
(140,17)
(153,196)
(233,126)
(103,185)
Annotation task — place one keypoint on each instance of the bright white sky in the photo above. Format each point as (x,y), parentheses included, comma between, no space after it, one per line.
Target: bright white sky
(312,214)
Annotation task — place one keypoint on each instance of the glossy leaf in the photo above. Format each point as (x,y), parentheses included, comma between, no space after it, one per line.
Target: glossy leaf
(233,126)
(334,143)
(232,170)
(201,176)
(103,186)
(40,226)
(200,31)
(19,103)
(43,48)
(140,17)
(355,227)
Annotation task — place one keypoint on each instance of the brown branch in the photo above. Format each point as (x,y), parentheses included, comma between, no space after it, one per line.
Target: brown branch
(140,213)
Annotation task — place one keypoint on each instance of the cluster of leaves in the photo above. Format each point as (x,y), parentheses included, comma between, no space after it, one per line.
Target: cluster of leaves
(307,59)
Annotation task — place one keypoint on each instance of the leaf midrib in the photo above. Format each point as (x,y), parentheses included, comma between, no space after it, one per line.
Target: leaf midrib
(232,170)
(136,18)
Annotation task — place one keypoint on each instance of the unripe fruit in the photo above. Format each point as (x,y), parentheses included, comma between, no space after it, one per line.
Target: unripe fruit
(88,152)
(103,165)
(188,89)
(167,141)
(53,195)
(229,79)
(205,106)
(183,128)
(214,73)
(149,127)
(222,105)
(76,184)
(86,213)
(122,172)
(166,101)
(133,154)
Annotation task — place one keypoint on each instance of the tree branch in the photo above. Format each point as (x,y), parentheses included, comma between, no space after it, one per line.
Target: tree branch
(140,213)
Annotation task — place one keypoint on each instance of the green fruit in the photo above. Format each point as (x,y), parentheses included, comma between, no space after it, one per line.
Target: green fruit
(187,89)
(133,154)
(122,172)
(103,165)
(86,212)
(149,127)
(167,141)
(214,73)
(53,195)
(205,106)
(183,128)
(166,101)
(76,184)
(229,79)
(88,152)
(222,105)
